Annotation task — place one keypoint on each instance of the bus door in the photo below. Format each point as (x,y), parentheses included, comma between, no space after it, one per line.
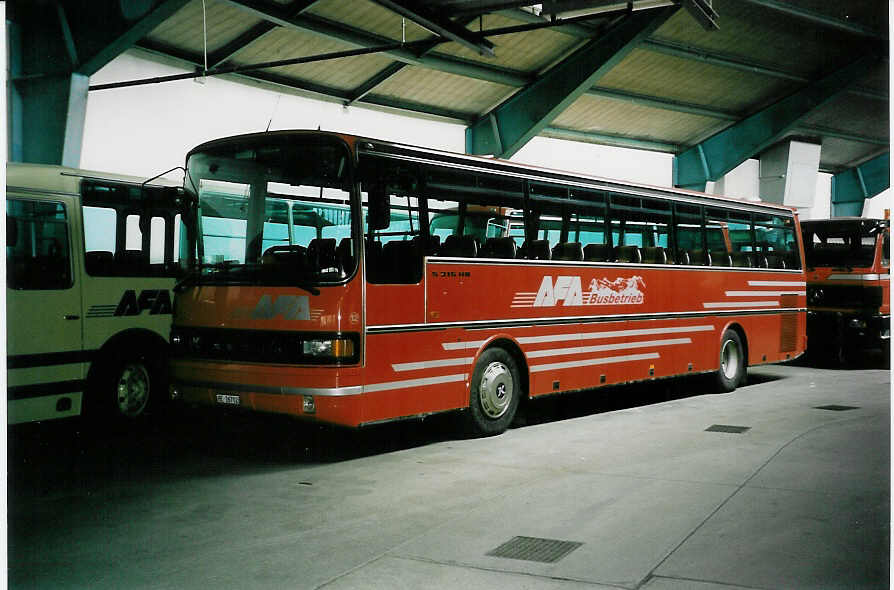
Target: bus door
(394,251)
(131,260)
(45,356)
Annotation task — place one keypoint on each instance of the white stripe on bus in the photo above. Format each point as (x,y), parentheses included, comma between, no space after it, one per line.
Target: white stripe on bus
(719,304)
(603,347)
(763,293)
(777,284)
(586,336)
(615,334)
(390,385)
(865,277)
(597,361)
(432,364)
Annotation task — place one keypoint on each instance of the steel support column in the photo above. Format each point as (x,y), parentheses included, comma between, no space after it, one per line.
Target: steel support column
(852,187)
(511,125)
(52,54)
(717,155)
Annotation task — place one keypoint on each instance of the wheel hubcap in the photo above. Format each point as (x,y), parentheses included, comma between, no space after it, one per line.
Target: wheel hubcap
(496,390)
(133,389)
(729,359)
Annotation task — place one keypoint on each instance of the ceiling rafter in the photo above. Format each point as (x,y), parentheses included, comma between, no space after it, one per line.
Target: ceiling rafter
(821,19)
(258,31)
(439,25)
(505,129)
(196,62)
(126,38)
(851,187)
(715,113)
(723,151)
(392,69)
(737,63)
(582,31)
(359,38)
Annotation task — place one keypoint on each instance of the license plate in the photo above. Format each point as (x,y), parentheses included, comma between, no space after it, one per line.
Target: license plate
(228,399)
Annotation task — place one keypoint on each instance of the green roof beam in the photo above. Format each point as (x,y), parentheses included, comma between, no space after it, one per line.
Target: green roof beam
(509,126)
(720,153)
(102,36)
(850,188)
(735,62)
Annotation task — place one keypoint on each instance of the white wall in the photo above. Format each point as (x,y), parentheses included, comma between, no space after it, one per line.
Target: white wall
(653,168)
(144,130)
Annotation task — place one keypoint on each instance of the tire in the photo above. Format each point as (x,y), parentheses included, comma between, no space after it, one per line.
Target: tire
(133,389)
(494,394)
(733,366)
(129,387)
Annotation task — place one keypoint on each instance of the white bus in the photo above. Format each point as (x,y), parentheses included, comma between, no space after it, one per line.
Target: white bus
(91,261)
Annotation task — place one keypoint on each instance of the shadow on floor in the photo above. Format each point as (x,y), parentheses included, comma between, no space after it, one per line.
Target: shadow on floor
(45,458)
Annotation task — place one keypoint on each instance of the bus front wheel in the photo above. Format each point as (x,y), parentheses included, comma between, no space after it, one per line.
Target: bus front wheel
(494,394)
(733,364)
(128,386)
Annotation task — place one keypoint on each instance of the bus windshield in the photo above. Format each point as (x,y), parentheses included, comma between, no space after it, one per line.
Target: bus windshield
(840,244)
(271,210)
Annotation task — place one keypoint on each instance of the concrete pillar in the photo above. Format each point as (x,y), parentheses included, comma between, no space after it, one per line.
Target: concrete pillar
(788,173)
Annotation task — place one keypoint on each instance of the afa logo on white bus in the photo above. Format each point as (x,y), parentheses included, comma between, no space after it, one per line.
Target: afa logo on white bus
(568,291)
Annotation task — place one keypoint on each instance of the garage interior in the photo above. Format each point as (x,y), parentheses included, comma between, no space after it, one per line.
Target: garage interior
(784,483)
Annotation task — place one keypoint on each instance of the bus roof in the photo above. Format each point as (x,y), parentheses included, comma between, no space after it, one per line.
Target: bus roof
(63,179)
(398,150)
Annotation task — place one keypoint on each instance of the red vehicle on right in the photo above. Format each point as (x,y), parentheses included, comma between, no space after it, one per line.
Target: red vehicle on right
(848,286)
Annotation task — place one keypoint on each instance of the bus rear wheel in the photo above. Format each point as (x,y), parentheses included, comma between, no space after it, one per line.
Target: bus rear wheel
(495,392)
(733,364)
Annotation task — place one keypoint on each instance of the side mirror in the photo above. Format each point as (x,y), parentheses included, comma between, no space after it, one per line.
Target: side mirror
(379,213)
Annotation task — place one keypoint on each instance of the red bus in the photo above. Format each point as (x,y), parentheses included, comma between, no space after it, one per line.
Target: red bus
(848,285)
(353,281)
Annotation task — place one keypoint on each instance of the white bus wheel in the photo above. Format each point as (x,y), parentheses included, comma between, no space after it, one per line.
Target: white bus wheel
(494,394)
(733,363)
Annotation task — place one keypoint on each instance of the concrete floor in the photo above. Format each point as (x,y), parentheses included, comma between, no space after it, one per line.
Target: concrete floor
(799,500)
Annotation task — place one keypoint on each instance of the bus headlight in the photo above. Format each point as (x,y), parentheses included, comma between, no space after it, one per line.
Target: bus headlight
(338,348)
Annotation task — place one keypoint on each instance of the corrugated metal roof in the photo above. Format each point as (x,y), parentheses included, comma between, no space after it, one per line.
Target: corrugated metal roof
(442,90)
(600,115)
(679,86)
(223,21)
(371,17)
(340,73)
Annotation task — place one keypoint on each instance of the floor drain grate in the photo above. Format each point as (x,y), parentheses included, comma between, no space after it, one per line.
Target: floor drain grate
(836,408)
(727,428)
(534,549)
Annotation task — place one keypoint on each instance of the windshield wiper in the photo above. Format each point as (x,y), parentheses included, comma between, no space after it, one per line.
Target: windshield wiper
(194,274)
(187,280)
(285,281)
(223,271)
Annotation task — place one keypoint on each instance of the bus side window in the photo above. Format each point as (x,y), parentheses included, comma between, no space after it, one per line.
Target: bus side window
(689,235)
(37,254)
(717,237)
(129,231)
(394,253)
(775,241)
(100,229)
(640,229)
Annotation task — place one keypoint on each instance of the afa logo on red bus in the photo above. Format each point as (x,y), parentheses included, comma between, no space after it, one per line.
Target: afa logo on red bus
(568,291)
